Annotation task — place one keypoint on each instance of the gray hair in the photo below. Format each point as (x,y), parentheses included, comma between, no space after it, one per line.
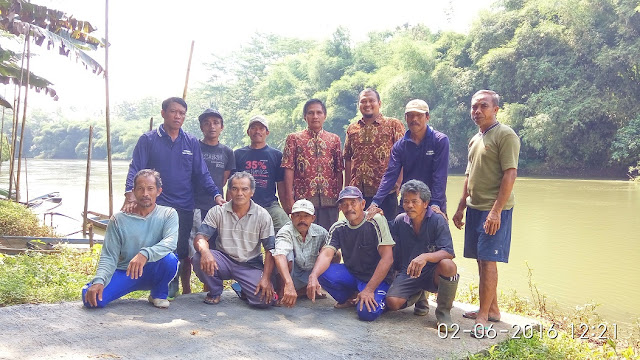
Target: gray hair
(495,98)
(416,187)
(148,172)
(243,175)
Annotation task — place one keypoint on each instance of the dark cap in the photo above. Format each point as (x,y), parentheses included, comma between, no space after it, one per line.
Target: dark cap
(209,112)
(350,192)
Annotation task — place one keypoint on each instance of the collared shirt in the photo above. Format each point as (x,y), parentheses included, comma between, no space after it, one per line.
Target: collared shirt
(305,252)
(239,238)
(359,245)
(427,162)
(434,235)
(368,147)
(179,163)
(154,236)
(316,159)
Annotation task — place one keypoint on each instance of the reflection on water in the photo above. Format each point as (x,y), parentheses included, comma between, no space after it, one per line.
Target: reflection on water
(579,236)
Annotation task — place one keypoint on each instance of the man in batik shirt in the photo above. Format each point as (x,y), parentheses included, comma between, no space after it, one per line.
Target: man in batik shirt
(313,164)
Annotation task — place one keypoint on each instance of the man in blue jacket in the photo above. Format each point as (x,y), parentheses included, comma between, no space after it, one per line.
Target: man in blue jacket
(422,154)
(177,156)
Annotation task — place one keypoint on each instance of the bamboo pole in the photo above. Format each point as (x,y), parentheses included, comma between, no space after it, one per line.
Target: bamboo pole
(107,113)
(151,124)
(186,81)
(24,113)
(14,125)
(2,141)
(86,184)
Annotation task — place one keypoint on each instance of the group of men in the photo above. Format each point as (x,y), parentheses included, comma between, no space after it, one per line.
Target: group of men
(373,259)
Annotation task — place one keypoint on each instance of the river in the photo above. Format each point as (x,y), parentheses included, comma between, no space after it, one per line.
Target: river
(579,237)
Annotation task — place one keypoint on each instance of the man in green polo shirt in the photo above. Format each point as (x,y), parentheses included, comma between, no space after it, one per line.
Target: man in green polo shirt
(488,196)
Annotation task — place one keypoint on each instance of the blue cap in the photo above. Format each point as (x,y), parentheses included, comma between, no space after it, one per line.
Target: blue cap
(350,192)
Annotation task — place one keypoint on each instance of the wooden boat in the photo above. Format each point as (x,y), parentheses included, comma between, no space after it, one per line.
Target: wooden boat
(45,203)
(98,220)
(4,194)
(12,245)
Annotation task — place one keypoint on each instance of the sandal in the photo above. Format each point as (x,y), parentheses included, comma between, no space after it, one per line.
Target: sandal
(479,332)
(212,300)
(474,314)
(347,304)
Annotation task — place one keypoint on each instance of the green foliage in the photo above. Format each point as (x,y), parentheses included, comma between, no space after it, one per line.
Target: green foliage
(17,220)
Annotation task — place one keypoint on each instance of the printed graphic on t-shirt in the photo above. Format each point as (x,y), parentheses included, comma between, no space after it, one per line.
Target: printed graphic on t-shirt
(217,159)
(260,171)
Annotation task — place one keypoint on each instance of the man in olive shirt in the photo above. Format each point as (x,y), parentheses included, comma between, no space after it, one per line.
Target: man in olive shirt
(487,195)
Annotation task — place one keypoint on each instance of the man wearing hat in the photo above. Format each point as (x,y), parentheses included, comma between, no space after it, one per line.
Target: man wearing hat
(263,162)
(298,244)
(422,154)
(367,248)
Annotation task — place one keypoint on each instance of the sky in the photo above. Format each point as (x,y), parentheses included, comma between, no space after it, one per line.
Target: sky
(150,40)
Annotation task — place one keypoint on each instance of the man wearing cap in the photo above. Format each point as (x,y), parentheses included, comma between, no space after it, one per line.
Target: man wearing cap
(298,244)
(313,165)
(488,197)
(176,155)
(367,248)
(367,148)
(263,162)
(422,154)
(423,256)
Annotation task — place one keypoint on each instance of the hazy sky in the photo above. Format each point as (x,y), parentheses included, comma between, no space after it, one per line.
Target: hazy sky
(151,39)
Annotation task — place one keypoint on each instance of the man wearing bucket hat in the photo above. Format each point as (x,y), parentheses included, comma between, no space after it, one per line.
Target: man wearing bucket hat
(298,244)
(263,162)
(367,248)
(422,154)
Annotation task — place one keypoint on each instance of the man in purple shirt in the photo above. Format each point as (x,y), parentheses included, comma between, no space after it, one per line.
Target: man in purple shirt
(422,154)
(177,156)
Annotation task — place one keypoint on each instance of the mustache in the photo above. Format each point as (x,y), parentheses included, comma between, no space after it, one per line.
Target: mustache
(302,223)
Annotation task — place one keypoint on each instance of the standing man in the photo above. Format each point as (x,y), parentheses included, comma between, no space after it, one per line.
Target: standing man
(176,155)
(263,162)
(423,256)
(296,251)
(367,247)
(138,249)
(422,154)
(313,165)
(228,245)
(487,195)
(367,149)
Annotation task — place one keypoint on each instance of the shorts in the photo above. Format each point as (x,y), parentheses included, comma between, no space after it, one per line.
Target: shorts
(481,246)
(404,286)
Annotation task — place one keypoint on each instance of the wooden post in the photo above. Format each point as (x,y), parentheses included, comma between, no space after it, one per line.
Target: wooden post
(106,86)
(2,141)
(186,81)
(151,124)
(90,236)
(86,183)
(24,114)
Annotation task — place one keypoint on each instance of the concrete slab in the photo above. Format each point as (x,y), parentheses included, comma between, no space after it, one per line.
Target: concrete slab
(134,329)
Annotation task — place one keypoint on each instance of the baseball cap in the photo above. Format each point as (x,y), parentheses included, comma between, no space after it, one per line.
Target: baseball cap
(417,105)
(350,192)
(209,112)
(258,119)
(303,205)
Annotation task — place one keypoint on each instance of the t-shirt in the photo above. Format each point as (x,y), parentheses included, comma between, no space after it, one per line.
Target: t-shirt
(219,158)
(490,154)
(359,245)
(264,165)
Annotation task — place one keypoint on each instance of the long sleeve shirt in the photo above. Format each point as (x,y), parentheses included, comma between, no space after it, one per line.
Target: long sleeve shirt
(154,236)
(179,163)
(427,162)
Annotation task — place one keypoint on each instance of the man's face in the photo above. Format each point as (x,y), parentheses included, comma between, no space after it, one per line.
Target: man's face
(302,221)
(145,191)
(353,210)
(414,206)
(315,117)
(416,121)
(211,128)
(257,133)
(483,111)
(241,192)
(369,105)
(174,116)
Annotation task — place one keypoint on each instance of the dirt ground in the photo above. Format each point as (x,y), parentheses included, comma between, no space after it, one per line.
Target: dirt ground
(191,329)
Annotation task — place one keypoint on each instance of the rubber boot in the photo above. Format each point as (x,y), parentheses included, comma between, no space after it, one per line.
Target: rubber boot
(446,295)
(174,285)
(422,305)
